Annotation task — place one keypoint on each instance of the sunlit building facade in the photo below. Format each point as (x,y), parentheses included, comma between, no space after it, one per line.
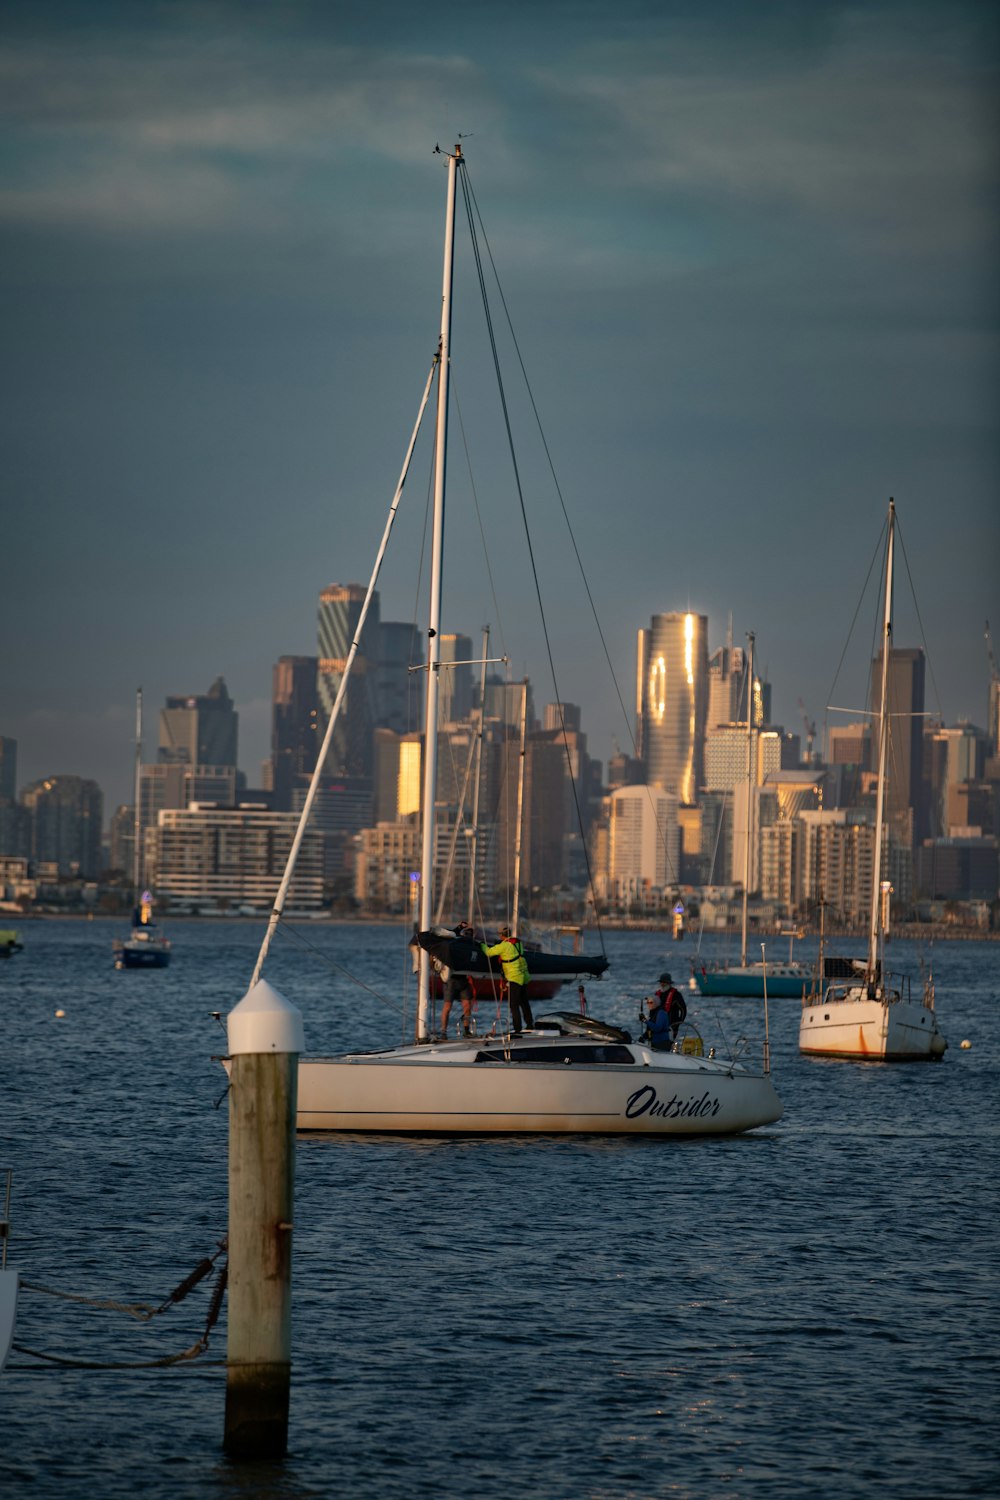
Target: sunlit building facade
(672,702)
(644,845)
(231,857)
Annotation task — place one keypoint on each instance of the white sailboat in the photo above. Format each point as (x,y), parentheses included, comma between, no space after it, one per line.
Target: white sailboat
(145,947)
(569,1073)
(873,1015)
(751,978)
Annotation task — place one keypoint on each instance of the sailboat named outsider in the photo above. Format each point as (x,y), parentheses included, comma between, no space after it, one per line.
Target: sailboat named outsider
(568,1072)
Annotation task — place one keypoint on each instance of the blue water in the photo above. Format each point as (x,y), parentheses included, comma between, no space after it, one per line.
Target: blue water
(809,1310)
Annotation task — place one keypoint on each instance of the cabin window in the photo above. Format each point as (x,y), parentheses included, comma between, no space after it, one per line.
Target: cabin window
(591,1053)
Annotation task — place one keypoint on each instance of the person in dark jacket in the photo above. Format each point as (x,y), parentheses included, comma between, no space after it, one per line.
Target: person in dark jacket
(458,987)
(667,1010)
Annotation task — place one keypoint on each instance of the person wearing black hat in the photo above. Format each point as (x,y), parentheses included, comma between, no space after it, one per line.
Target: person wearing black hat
(667,1010)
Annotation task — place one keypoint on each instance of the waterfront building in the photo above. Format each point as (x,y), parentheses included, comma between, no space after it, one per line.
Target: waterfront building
(66,824)
(782,845)
(232,857)
(643,846)
(672,702)
(387,859)
(961,868)
(176,786)
(352,747)
(838,860)
(199,730)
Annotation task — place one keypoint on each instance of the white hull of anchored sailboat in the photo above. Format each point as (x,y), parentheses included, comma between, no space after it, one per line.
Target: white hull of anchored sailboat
(883,1031)
(443,1090)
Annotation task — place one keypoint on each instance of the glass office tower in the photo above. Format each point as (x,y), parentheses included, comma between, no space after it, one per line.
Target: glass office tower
(672,702)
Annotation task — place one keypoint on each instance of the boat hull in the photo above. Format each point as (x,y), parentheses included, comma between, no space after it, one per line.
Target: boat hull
(142,956)
(784,982)
(871,1029)
(444,1090)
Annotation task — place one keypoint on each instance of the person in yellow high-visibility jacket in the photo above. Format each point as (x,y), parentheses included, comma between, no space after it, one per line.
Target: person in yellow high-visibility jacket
(515,972)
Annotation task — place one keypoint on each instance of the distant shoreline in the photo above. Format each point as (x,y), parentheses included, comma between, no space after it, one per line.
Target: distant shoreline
(937,932)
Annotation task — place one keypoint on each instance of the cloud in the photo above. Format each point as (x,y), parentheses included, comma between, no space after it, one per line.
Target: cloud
(140,133)
(881,153)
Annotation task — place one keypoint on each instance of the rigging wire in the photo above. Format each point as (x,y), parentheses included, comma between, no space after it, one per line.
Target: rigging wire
(472,212)
(916,606)
(876,554)
(287,930)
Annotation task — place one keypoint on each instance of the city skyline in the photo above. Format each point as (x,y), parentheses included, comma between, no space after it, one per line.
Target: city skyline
(750,256)
(155,714)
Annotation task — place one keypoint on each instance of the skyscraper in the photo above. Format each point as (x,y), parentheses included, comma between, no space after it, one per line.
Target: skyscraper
(672,702)
(8,769)
(400,692)
(200,730)
(725,684)
(351,750)
(906,733)
(294,719)
(67,814)
(456,678)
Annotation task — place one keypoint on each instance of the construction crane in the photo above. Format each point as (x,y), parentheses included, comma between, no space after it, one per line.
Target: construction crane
(810,727)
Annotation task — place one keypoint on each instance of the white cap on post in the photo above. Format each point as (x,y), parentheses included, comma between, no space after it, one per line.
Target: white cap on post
(264,1021)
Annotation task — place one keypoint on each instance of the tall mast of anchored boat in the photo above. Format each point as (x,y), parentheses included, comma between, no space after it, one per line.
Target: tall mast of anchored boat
(434,619)
(883,751)
(474,838)
(515,916)
(136,811)
(749,818)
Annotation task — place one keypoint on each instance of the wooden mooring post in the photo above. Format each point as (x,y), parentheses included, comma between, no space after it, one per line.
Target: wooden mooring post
(265,1039)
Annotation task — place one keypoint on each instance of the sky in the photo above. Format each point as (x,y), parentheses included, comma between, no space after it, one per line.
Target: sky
(749,255)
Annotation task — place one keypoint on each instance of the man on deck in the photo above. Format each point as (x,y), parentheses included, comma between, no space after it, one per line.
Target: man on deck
(515,972)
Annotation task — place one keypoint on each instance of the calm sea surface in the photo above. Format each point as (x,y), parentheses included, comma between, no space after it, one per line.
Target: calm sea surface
(806,1311)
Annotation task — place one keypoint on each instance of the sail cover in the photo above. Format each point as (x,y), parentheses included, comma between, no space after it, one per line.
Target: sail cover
(465,956)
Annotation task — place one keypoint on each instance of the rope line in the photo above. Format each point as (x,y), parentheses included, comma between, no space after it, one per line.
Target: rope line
(143,1312)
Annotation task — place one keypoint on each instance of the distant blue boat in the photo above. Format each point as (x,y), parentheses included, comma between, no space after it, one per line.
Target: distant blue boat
(787,981)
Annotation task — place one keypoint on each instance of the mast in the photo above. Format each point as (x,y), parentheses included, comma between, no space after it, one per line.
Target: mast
(746,854)
(137,819)
(474,838)
(434,619)
(883,753)
(518,825)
